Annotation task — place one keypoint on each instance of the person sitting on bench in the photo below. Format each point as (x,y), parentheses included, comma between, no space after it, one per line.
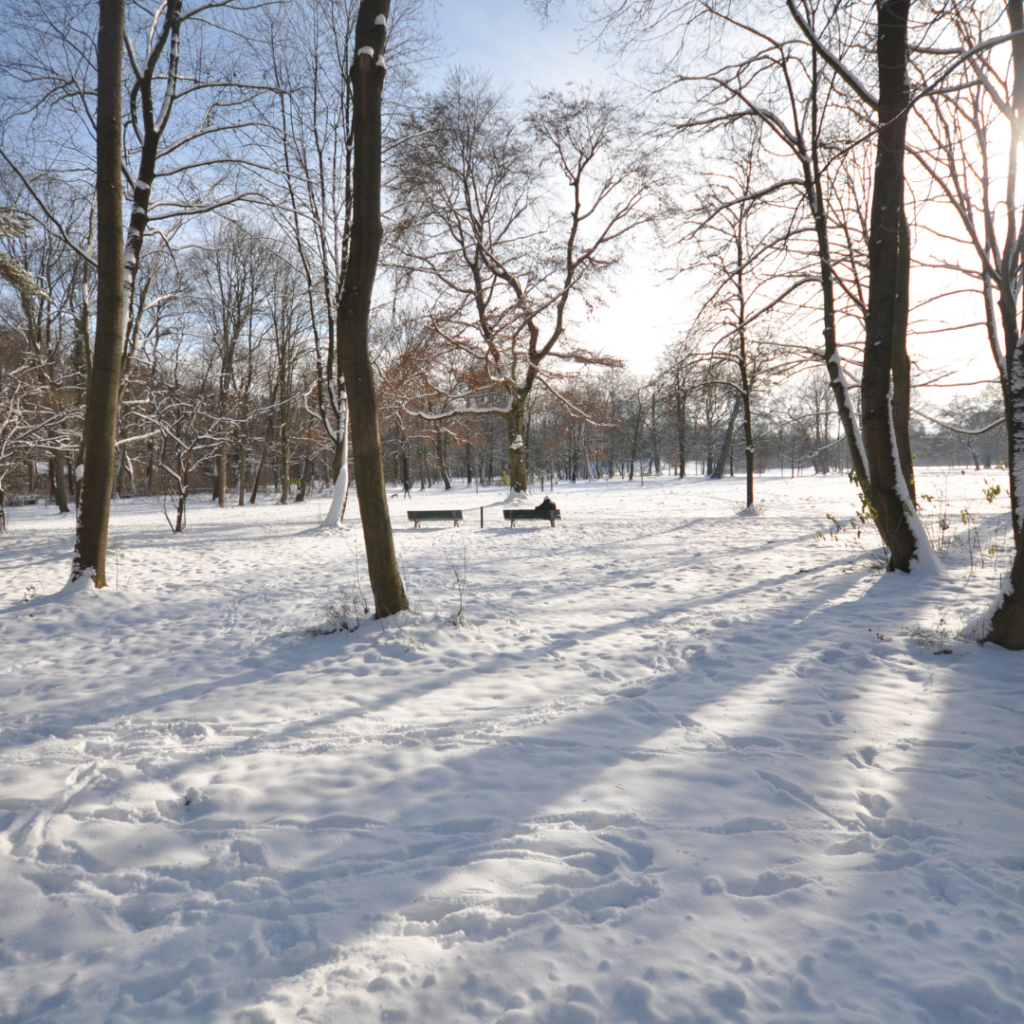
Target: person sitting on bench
(547,505)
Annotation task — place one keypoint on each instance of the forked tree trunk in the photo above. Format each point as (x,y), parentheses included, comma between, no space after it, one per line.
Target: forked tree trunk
(339,469)
(368,71)
(102,396)
(442,462)
(259,472)
(885,348)
(719,468)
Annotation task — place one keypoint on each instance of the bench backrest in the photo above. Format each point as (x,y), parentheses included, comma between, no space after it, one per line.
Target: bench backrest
(447,513)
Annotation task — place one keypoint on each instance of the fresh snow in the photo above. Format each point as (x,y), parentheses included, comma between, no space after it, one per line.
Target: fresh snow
(681,765)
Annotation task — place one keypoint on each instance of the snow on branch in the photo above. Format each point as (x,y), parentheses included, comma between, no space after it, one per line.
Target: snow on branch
(960,430)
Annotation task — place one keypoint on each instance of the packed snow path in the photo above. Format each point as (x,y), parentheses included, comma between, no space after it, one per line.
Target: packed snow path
(679,765)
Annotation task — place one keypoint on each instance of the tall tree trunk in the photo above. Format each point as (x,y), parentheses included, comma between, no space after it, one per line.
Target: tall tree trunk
(515,429)
(886,319)
(242,469)
(837,379)
(102,396)
(368,71)
(442,460)
(286,458)
(339,471)
(406,468)
(307,471)
(681,428)
(220,485)
(179,522)
(259,472)
(748,437)
(719,469)
(901,365)
(60,481)
(1007,627)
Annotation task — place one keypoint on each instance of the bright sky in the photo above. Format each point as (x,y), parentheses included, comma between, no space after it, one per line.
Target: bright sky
(646,312)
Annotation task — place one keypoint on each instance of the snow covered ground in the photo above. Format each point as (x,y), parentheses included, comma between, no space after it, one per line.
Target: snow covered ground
(678,765)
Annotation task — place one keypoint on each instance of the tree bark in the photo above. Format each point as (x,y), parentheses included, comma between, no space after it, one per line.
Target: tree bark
(368,71)
(901,364)
(748,438)
(681,429)
(286,458)
(719,469)
(102,396)
(220,486)
(339,471)
(259,472)
(60,481)
(1007,627)
(837,379)
(515,428)
(886,318)
(242,470)
(442,460)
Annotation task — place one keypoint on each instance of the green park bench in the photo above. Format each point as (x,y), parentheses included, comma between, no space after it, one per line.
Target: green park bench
(448,515)
(549,514)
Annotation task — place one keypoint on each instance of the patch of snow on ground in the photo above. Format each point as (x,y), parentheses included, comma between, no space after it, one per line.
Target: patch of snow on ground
(680,766)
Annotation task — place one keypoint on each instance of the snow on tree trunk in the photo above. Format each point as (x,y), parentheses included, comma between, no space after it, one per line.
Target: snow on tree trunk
(340,497)
(515,426)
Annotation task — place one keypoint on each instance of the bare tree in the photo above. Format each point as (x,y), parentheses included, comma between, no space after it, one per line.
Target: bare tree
(679,374)
(43,313)
(886,368)
(54,110)
(308,52)
(809,139)
(742,244)
(288,323)
(355,303)
(971,144)
(498,262)
(182,409)
(229,274)
(103,394)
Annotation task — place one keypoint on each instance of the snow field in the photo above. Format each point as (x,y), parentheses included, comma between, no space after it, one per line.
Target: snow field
(680,766)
